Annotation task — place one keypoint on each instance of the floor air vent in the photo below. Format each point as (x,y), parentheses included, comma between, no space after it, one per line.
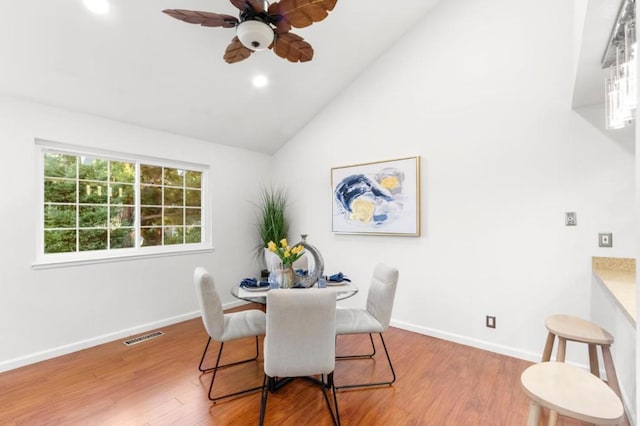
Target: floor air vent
(141,339)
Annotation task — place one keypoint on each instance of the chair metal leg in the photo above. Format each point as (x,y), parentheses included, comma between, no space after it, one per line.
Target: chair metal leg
(215,370)
(393,373)
(335,401)
(371,355)
(204,354)
(335,413)
(263,400)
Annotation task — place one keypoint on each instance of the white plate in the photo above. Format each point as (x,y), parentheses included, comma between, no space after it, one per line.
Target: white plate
(265,288)
(333,284)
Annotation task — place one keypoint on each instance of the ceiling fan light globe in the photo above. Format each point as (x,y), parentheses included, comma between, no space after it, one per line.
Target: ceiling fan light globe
(255,35)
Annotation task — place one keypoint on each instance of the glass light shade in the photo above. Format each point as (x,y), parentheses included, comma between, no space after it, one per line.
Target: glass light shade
(620,83)
(255,35)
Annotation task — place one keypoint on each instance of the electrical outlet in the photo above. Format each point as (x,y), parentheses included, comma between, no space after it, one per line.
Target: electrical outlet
(570,219)
(491,321)
(605,239)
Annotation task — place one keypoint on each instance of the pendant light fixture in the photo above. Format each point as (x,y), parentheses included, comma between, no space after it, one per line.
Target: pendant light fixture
(619,60)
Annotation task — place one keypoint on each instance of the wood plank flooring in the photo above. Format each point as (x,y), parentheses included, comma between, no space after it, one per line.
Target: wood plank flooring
(157,383)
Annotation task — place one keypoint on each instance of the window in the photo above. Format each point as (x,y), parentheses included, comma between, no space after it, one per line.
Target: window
(103,205)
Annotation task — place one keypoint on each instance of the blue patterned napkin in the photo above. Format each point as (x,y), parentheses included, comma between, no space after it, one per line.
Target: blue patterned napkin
(253,283)
(338,278)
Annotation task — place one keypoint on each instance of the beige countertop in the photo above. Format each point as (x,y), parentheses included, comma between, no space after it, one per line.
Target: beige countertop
(618,275)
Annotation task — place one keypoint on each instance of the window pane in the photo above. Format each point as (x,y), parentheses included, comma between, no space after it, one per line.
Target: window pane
(122,238)
(60,217)
(173,196)
(150,216)
(151,236)
(173,177)
(93,169)
(123,172)
(193,197)
(93,192)
(193,234)
(193,179)
(193,217)
(59,191)
(59,241)
(173,216)
(93,239)
(93,216)
(121,194)
(151,195)
(173,235)
(150,174)
(58,165)
(122,216)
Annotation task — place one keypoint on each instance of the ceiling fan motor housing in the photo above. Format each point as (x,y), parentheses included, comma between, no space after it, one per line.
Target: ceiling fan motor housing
(255,34)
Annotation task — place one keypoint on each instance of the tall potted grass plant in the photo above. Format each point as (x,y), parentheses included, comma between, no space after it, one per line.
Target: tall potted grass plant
(272,222)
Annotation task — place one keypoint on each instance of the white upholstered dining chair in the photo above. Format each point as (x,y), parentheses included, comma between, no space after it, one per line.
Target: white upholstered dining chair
(223,327)
(300,341)
(374,318)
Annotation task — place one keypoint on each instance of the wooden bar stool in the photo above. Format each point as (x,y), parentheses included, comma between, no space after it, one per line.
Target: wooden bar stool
(569,391)
(567,327)
(575,329)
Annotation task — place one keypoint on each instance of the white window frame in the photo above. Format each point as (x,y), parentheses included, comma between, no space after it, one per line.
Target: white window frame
(47,260)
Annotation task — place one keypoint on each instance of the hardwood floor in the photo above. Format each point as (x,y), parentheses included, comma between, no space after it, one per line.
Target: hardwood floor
(157,382)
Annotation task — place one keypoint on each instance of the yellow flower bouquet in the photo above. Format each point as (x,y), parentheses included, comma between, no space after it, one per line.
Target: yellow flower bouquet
(286,254)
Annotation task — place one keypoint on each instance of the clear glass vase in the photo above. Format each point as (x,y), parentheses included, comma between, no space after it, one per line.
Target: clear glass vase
(286,276)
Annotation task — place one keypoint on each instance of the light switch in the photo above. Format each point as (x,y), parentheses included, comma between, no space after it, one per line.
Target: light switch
(605,239)
(570,219)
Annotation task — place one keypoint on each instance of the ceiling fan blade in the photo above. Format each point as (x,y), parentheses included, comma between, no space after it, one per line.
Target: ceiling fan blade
(282,26)
(236,52)
(302,13)
(238,3)
(281,23)
(256,5)
(206,19)
(293,48)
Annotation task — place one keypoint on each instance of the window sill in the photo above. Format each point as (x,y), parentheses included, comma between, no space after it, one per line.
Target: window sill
(63,263)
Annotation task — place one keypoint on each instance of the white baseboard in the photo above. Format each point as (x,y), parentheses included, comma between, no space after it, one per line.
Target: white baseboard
(94,341)
(469,341)
(234,304)
(105,338)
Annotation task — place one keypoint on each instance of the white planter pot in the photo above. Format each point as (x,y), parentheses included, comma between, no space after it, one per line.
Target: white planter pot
(271,260)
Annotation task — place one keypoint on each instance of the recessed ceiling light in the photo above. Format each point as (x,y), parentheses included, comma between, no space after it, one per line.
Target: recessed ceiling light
(260,81)
(99,7)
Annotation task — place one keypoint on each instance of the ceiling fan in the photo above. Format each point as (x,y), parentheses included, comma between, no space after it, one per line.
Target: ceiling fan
(264,26)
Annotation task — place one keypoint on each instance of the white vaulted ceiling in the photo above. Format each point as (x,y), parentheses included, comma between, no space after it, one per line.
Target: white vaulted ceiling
(139,66)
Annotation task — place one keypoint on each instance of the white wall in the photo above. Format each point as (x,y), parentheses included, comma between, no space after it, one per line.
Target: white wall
(46,312)
(481,90)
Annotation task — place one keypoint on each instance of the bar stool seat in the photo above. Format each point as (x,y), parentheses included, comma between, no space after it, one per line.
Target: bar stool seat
(569,391)
(567,327)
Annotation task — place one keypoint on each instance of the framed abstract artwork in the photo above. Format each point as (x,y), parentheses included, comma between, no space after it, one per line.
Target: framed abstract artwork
(377,198)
